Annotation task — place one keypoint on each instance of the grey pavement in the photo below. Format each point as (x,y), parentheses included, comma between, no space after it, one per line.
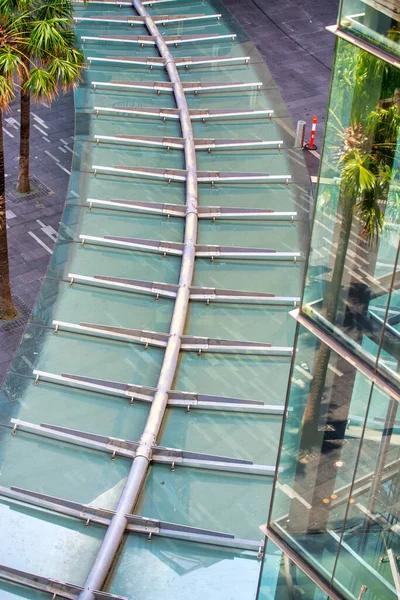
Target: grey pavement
(290,35)
(33,219)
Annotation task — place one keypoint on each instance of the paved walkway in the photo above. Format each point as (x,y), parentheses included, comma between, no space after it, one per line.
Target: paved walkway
(291,36)
(33,220)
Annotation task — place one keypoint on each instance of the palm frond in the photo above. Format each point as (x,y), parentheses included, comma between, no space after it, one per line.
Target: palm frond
(55,9)
(10,61)
(66,70)
(6,92)
(356,173)
(41,85)
(45,37)
(371,215)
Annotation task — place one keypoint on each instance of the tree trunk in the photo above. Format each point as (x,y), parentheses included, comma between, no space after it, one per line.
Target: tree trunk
(23,185)
(312,411)
(315,443)
(7,309)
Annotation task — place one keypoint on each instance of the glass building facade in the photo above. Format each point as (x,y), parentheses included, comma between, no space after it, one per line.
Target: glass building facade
(335,510)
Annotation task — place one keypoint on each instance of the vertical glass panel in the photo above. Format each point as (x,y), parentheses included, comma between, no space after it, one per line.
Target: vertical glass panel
(385,310)
(373,21)
(355,235)
(282,580)
(371,527)
(326,411)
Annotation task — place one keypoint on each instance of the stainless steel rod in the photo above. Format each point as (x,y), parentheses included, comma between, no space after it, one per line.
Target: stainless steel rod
(130,494)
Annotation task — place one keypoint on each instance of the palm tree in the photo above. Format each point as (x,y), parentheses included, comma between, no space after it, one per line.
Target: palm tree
(9,62)
(50,60)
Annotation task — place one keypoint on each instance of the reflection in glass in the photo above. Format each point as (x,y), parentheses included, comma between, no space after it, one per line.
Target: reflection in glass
(355,237)
(373,21)
(336,497)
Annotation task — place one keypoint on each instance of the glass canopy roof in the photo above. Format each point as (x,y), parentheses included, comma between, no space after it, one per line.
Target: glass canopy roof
(91,366)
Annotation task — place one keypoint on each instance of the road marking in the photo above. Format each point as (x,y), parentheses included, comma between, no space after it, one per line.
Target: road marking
(52,156)
(13,122)
(38,128)
(288,129)
(335,370)
(39,120)
(40,242)
(7,132)
(48,230)
(315,153)
(292,494)
(63,168)
(305,373)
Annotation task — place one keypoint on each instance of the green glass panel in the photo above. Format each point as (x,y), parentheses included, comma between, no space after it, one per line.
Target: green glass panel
(234,375)
(251,437)
(80,409)
(184,569)
(78,303)
(30,537)
(86,355)
(199,498)
(242,322)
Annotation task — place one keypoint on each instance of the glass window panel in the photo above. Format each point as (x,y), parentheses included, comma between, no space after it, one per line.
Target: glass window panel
(276,277)
(385,311)
(11,591)
(327,405)
(117,155)
(81,409)
(94,260)
(242,322)
(371,525)
(355,236)
(373,21)
(282,580)
(290,198)
(282,237)
(105,187)
(105,222)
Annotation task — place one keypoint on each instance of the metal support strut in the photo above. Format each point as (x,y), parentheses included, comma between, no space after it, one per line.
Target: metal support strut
(130,494)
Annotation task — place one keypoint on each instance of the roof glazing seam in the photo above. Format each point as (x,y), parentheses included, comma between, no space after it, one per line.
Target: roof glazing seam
(106,554)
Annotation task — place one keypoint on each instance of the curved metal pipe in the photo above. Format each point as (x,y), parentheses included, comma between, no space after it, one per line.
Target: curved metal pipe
(112,540)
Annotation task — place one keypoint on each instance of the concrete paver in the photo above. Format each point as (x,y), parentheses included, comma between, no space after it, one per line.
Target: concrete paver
(291,37)
(33,220)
